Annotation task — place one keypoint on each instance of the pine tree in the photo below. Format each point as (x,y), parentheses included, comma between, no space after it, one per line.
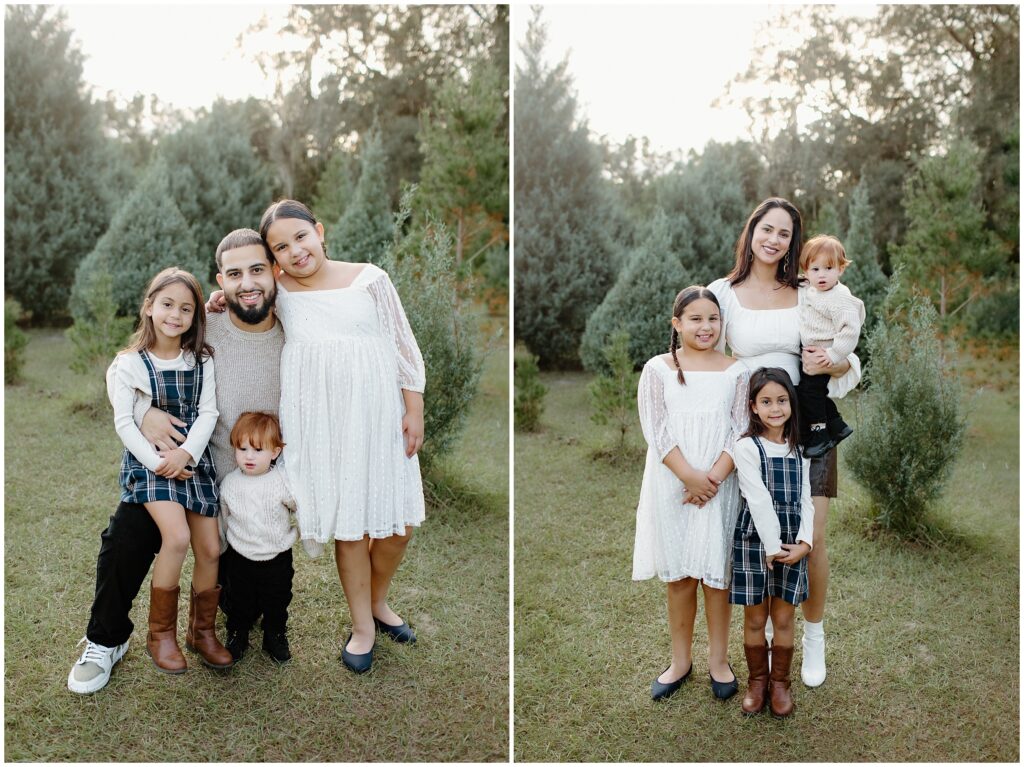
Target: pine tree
(826,222)
(947,249)
(148,234)
(640,302)
(366,227)
(464,177)
(217,180)
(613,394)
(529,402)
(421,267)
(864,277)
(563,252)
(14,342)
(336,187)
(911,427)
(61,176)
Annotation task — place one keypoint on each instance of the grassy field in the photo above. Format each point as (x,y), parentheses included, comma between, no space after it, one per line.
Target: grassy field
(446,699)
(923,644)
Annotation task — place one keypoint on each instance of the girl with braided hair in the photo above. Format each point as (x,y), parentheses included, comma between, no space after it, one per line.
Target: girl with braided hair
(693,408)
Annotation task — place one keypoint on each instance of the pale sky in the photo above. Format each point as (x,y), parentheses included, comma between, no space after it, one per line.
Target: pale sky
(185,54)
(655,70)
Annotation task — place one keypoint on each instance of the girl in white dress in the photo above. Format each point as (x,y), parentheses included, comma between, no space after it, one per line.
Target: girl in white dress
(352,381)
(693,407)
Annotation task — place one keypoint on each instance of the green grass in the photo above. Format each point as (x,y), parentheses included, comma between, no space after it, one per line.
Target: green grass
(923,644)
(443,700)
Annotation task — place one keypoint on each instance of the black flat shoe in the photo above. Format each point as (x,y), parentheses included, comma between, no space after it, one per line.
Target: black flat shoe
(818,449)
(402,634)
(661,690)
(839,430)
(357,663)
(724,690)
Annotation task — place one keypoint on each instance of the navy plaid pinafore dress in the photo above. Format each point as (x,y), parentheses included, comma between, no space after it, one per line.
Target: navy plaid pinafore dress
(751,581)
(175,392)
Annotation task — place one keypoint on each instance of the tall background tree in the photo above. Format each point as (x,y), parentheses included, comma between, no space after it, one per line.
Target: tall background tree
(62,176)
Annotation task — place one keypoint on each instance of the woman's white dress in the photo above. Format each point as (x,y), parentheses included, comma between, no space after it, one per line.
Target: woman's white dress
(702,417)
(770,338)
(348,354)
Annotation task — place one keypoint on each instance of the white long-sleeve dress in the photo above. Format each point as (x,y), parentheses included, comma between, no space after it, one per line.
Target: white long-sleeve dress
(348,354)
(703,417)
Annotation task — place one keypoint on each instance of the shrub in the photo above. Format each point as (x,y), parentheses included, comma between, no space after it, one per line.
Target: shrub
(148,233)
(100,333)
(422,269)
(613,395)
(911,427)
(996,316)
(639,304)
(14,342)
(529,403)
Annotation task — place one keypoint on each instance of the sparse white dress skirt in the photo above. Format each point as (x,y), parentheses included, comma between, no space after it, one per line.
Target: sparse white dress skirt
(348,354)
(702,418)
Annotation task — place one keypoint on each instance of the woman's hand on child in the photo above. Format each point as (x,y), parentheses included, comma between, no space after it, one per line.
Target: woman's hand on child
(217,302)
(815,360)
(158,429)
(792,553)
(173,462)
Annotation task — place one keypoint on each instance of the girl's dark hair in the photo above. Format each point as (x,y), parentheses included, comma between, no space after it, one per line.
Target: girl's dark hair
(685,297)
(788,270)
(285,209)
(758,380)
(194,339)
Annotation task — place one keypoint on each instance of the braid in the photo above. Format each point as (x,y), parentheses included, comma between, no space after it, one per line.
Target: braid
(673,346)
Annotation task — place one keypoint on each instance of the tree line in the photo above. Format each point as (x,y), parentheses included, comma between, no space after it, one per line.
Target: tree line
(411,97)
(911,158)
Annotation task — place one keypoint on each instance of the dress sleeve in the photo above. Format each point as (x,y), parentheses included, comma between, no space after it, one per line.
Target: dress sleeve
(740,415)
(806,531)
(762,509)
(202,428)
(847,382)
(126,375)
(395,325)
(650,396)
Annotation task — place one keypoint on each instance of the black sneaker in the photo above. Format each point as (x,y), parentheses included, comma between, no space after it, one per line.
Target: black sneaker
(237,644)
(818,444)
(838,430)
(276,646)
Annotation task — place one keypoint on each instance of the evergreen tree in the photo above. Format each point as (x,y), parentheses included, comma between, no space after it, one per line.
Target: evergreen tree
(947,250)
(640,302)
(563,253)
(61,176)
(366,227)
(826,222)
(464,178)
(421,267)
(147,234)
(706,206)
(529,402)
(217,181)
(336,187)
(864,277)
(911,427)
(613,394)
(14,342)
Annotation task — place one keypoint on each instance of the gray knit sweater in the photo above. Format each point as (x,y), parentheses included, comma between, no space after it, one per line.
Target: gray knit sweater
(254,514)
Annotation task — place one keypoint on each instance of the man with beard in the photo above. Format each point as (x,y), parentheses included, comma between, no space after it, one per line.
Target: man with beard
(247,342)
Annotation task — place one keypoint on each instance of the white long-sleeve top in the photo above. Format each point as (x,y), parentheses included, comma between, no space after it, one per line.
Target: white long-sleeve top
(762,508)
(831,319)
(127,379)
(254,514)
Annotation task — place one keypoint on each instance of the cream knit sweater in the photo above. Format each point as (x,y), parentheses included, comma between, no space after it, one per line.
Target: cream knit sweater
(830,318)
(254,514)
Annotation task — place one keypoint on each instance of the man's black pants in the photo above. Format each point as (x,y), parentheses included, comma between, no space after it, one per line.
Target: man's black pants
(127,549)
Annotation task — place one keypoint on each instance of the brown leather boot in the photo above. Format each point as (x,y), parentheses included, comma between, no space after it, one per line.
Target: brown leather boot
(757,682)
(201,635)
(781,700)
(162,639)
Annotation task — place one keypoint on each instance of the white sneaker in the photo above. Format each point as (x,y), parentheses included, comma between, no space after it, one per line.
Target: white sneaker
(812,669)
(92,671)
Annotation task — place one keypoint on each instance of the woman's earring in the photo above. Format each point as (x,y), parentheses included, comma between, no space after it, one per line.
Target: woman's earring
(785,263)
